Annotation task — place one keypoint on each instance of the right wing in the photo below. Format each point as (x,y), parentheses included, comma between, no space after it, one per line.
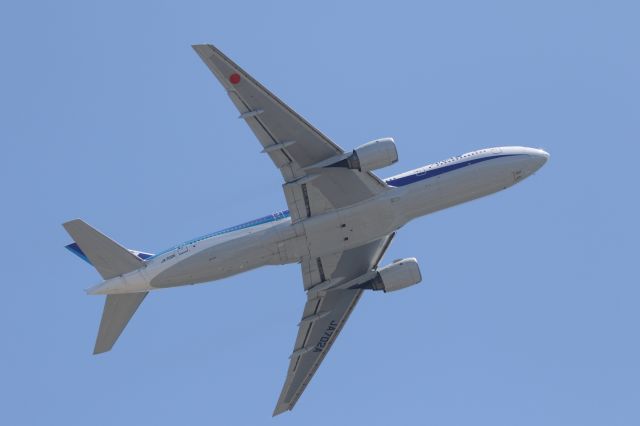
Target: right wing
(292,143)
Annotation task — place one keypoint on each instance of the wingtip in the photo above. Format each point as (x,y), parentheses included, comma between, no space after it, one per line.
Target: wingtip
(280,408)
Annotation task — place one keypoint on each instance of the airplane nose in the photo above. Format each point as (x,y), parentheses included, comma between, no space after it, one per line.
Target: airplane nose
(538,159)
(544,154)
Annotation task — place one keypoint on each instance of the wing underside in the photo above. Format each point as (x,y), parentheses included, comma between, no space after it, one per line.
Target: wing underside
(325,313)
(322,320)
(292,144)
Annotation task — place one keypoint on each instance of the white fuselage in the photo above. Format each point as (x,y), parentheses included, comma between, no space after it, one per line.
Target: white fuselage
(275,240)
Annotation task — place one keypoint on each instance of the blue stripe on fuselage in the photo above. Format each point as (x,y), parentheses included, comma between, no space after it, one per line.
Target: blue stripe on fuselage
(399,181)
(261,221)
(426,174)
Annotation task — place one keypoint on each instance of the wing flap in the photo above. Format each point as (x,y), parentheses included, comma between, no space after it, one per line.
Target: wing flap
(344,266)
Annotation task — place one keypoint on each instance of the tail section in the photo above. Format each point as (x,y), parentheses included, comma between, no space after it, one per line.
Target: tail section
(108,257)
(75,249)
(118,310)
(111,260)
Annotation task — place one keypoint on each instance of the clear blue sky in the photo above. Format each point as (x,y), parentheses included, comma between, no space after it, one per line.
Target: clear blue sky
(528,312)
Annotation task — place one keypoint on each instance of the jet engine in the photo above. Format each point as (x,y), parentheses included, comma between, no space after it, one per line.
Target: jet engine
(398,275)
(370,156)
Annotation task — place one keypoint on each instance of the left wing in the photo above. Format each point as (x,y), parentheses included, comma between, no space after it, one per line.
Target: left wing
(325,313)
(292,144)
(322,320)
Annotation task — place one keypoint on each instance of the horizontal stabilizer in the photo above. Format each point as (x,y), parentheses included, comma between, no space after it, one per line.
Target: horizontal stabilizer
(118,310)
(108,257)
(75,249)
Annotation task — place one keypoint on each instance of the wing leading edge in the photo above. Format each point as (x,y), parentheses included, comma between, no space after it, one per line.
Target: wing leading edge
(292,144)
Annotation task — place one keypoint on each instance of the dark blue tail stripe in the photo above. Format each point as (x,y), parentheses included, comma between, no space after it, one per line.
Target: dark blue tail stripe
(75,249)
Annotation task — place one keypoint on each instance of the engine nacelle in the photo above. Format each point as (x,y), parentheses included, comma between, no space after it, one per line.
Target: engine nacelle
(370,156)
(400,274)
(374,155)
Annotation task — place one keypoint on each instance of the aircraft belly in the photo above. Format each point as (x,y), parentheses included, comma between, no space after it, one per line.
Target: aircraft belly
(478,181)
(219,261)
(456,187)
(349,227)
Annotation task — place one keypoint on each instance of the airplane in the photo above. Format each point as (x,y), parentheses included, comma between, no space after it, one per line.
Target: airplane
(340,220)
